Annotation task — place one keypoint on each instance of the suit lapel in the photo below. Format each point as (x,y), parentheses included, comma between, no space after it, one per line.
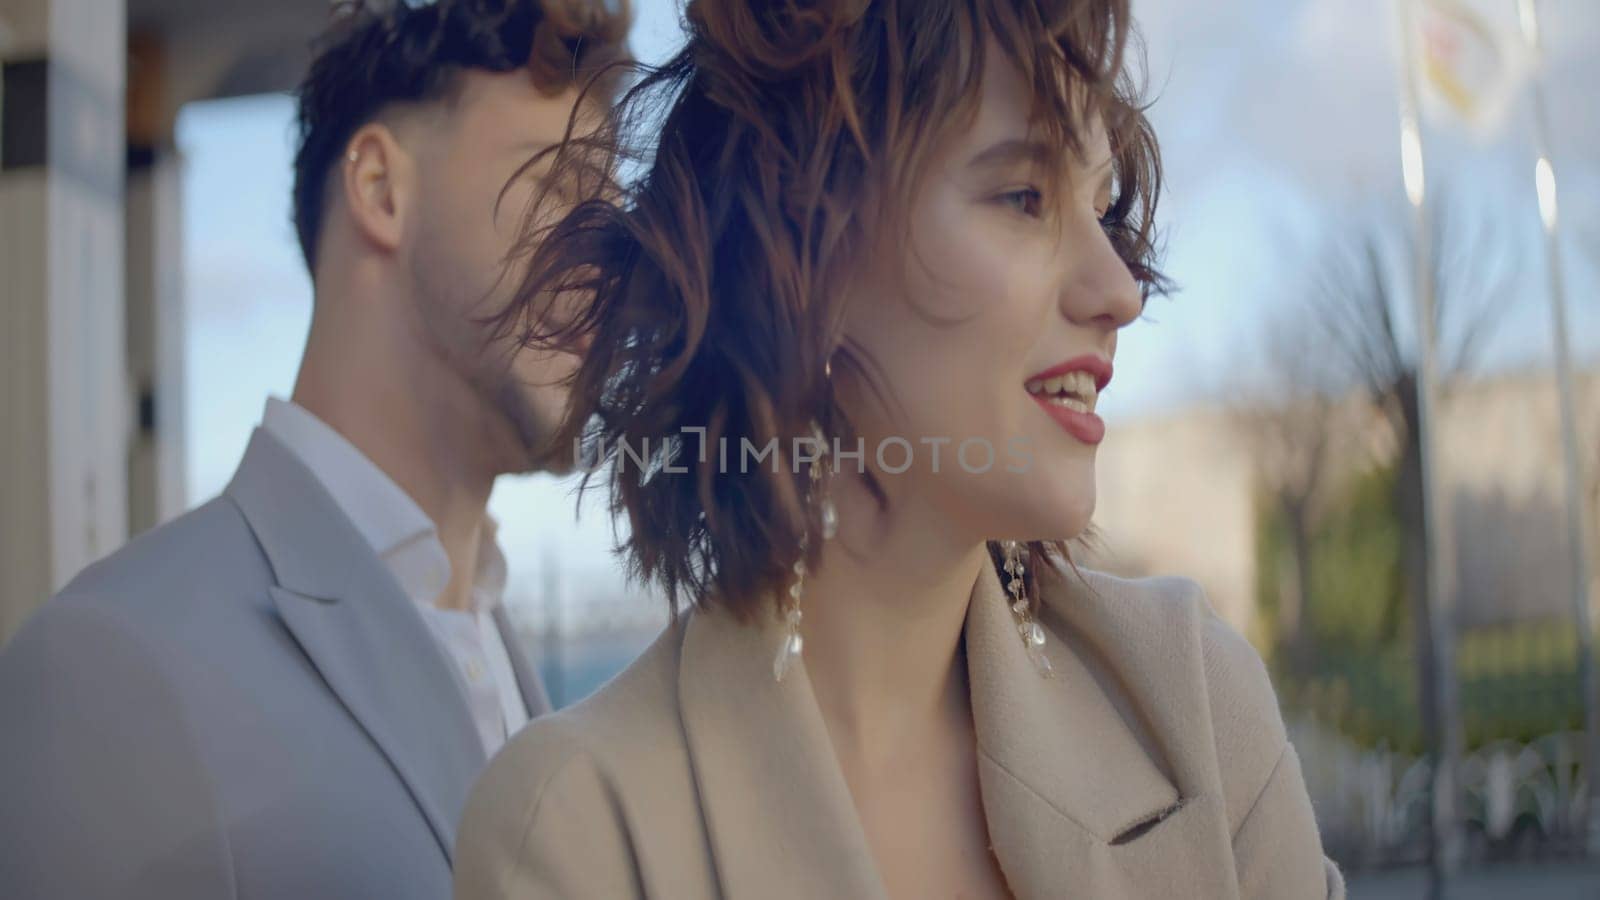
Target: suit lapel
(362,633)
(778,813)
(529,684)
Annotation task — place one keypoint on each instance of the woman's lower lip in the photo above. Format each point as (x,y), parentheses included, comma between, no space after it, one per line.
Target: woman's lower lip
(1085,426)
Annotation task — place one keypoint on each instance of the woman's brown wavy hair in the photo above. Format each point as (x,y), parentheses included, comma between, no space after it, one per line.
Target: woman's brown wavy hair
(706,290)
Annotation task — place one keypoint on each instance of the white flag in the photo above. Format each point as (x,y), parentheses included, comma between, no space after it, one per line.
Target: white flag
(1471,61)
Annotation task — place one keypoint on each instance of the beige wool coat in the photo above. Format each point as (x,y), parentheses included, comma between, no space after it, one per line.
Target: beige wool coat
(1153,764)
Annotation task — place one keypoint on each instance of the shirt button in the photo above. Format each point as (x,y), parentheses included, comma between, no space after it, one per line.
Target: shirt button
(474,671)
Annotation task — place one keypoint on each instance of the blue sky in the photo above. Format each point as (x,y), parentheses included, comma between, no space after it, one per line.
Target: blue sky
(1278,128)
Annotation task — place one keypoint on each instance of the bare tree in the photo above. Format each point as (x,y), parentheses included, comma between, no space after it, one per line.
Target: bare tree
(1299,427)
(1360,308)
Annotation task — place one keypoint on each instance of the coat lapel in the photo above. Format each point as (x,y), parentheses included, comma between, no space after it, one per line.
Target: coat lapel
(778,813)
(1079,787)
(529,684)
(361,633)
(1078,792)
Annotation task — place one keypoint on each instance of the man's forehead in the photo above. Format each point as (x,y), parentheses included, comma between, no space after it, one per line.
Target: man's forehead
(483,84)
(515,92)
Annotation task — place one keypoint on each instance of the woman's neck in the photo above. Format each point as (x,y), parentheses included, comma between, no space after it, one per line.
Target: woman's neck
(883,616)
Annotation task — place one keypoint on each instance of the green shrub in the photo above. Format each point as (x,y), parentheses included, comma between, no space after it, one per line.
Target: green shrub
(1517,681)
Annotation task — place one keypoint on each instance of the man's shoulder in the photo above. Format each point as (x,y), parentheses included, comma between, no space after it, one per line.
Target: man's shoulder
(129,632)
(191,575)
(209,543)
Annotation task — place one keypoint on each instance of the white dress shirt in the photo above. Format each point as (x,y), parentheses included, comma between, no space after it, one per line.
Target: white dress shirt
(408,543)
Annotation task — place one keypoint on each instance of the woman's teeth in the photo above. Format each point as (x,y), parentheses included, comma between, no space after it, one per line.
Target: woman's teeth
(1074,390)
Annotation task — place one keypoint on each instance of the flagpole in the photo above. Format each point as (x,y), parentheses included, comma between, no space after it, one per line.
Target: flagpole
(1545,187)
(1444,824)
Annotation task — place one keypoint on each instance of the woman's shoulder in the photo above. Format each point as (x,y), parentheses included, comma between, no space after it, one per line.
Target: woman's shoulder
(1166,625)
(1159,614)
(553,802)
(636,707)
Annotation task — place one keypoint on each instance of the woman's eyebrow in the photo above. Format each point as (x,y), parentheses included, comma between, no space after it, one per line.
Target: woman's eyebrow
(1011,151)
(1005,153)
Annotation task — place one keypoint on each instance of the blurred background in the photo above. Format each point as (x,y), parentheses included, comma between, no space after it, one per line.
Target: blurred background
(1352,423)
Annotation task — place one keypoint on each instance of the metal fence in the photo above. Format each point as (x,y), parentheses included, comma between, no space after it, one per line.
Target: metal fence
(1523,780)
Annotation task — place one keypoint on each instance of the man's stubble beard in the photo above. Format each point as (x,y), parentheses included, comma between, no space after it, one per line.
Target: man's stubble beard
(534,432)
(470,349)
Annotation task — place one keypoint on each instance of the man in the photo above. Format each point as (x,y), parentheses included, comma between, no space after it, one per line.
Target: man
(287,692)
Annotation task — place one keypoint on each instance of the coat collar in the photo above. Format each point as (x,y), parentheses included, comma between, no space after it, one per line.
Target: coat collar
(1092,775)
(361,632)
(1065,777)
(763,764)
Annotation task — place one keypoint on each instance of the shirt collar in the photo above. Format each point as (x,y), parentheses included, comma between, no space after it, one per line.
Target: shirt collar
(392,523)
(489,583)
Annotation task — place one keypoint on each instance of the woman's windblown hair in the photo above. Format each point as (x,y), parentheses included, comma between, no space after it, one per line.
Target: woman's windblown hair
(729,196)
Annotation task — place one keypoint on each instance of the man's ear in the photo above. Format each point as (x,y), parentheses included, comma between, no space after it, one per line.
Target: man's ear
(379,179)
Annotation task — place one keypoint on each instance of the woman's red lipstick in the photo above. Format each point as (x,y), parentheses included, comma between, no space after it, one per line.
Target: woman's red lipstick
(1085,426)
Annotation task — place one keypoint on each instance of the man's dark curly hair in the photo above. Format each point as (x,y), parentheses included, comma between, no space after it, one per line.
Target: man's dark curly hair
(378,55)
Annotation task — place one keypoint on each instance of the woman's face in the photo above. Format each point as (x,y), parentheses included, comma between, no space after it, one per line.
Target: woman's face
(993,325)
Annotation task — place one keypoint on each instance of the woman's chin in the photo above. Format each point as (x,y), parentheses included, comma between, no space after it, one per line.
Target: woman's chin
(1065,512)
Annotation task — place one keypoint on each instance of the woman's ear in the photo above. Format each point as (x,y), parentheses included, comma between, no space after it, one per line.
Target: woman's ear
(379,181)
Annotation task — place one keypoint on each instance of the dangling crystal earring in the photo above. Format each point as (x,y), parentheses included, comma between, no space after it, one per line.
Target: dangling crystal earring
(789,652)
(830,515)
(1031,631)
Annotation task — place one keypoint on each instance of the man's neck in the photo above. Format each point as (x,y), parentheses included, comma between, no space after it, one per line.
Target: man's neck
(417,420)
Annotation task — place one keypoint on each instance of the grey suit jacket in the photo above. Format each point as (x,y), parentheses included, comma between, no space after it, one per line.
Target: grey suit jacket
(240,704)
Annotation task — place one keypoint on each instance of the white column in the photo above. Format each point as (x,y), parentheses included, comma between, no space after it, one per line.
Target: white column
(155,337)
(154,220)
(64,402)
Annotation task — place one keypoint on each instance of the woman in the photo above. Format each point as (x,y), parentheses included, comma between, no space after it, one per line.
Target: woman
(913,230)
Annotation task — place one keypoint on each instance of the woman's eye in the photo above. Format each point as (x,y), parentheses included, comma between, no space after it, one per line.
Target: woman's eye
(1103,208)
(1111,215)
(1028,201)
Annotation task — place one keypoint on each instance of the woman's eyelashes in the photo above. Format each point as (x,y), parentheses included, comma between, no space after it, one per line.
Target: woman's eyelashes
(1031,202)
(1028,201)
